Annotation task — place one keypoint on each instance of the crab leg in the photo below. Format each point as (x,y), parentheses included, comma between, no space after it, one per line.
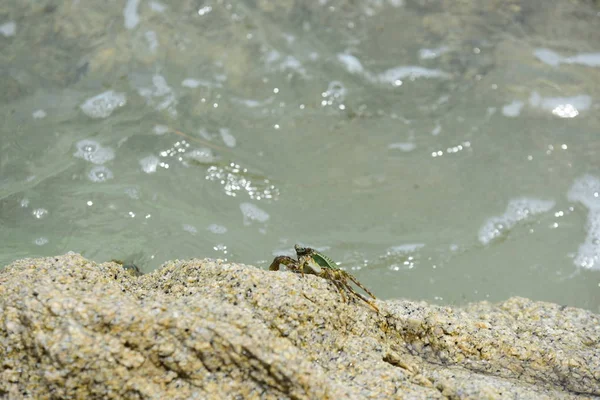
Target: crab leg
(357,283)
(363,298)
(340,288)
(289,262)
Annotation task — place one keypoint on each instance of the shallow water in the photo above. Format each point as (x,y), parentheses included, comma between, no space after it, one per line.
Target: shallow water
(447,153)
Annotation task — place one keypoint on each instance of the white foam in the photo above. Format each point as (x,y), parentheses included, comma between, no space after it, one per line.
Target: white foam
(130,13)
(554,59)
(152,40)
(548,56)
(412,72)
(428,54)
(160,96)
(352,64)
(404,146)
(100,173)
(405,248)
(217,229)
(203,155)
(103,105)
(39,213)
(92,151)
(157,7)
(517,210)
(191,83)
(160,129)
(149,164)
(38,114)
(564,107)
(586,190)
(227,137)
(513,109)
(253,213)
(587,59)
(190,228)
(8,28)
(41,241)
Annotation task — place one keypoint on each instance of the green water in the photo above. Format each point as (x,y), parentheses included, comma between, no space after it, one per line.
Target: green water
(444,152)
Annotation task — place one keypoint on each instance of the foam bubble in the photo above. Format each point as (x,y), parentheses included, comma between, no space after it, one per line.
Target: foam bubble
(252,213)
(202,155)
(190,228)
(41,241)
(513,109)
(191,83)
(218,229)
(586,190)
(100,173)
(160,129)
(517,210)
(548,56)
(92,151)
(352,64)
(103,105)
(227,137)
(160,95)
(38,114)
(149,164)
(130,14)
(405,248)
(404,146)
(428,54)
(8,28)
(39,213)
(411,72)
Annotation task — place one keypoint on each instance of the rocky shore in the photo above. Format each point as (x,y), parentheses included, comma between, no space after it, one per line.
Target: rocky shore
(71,328)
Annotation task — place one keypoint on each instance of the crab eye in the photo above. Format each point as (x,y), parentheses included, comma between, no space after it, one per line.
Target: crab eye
(300,249)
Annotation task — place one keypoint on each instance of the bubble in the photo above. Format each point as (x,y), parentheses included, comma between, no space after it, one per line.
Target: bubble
(403,146)
(149,164)
(39,114)
(253,213)
(160,129)
(190,228)
(513,109)
(100,173)
(217,229)
(92,151)
(227,137)
(103,105)
(585,191)
(8,28)
(517,210)
(41,241)
(39,213)
(202,155)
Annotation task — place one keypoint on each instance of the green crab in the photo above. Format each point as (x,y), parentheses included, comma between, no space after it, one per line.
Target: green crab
(312,262)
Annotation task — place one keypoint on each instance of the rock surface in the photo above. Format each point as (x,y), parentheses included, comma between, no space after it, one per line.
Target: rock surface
(70,328)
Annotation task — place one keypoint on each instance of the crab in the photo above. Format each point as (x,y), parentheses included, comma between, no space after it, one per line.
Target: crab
(310,261)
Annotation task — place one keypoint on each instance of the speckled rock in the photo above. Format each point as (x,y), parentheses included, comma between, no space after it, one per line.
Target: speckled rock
(70,328)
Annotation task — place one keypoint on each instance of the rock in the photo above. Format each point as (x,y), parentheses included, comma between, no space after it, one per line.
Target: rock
(71,328)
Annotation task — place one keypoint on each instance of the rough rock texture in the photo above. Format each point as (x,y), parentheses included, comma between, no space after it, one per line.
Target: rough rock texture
(70,328)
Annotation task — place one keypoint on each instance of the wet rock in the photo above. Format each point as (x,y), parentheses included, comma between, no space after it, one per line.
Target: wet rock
(70,328)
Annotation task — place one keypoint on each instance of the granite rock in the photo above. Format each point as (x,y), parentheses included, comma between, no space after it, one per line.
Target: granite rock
(71,328)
